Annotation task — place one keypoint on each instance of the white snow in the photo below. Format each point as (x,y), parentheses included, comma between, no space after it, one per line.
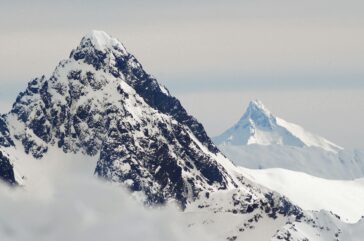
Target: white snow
(164,89)
(261,140)
(346,164)
(61,200)
(344,198)
(103,41)
(308,138)
(259,126)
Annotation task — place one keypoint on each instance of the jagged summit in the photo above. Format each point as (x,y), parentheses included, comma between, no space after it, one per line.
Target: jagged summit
(101,102)
(257,106)
(259,126)
(100,40)
(99,49)
(259,114)
(101,105)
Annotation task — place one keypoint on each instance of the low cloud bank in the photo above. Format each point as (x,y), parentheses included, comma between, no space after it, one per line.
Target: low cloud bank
(62,200)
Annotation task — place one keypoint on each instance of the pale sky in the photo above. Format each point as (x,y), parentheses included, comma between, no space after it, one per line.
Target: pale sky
(304,59)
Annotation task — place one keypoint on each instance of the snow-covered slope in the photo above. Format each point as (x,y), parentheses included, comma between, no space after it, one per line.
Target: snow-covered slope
(62,198)
(321,226)
(346,164)
(101,102)
(259,126)
(99,105)
(260,140)
(344,198)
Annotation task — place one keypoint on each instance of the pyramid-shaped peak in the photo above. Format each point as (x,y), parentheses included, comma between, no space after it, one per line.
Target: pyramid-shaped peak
(100,40)
(259,126)
(98,49)
(257,105)
(256,111)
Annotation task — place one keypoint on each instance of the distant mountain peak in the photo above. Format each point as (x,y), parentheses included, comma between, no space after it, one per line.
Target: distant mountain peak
(258,114)
(100,104)
(257,105)
(259,126)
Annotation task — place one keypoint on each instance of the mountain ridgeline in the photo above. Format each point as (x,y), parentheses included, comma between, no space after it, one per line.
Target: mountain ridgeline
(101,105)
(259,126)
(100,101)
(261,140)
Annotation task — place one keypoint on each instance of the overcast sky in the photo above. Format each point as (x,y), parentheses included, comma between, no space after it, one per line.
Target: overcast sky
(304,59)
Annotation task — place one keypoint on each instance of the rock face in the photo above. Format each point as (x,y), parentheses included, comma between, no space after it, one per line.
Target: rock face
(6,170)
(5,138)
(100,101)
(6,167)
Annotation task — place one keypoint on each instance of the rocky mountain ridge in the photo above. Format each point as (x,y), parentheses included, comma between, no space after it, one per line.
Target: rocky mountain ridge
(101,103)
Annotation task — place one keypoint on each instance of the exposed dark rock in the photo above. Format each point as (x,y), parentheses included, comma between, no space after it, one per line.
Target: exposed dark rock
(5,139)
(6,170)
(90,105)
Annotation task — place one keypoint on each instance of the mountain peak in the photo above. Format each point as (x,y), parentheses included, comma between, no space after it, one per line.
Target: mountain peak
(99,49)
(102,102)
(259,126)
(100,40)
(257,106)
(257,114)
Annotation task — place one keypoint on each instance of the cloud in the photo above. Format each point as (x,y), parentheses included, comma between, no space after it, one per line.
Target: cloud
(64,201)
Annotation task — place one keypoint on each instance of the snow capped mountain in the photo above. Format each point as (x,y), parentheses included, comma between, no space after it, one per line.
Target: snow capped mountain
(99,105)
(100,101)
(259,126)
(260,140)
